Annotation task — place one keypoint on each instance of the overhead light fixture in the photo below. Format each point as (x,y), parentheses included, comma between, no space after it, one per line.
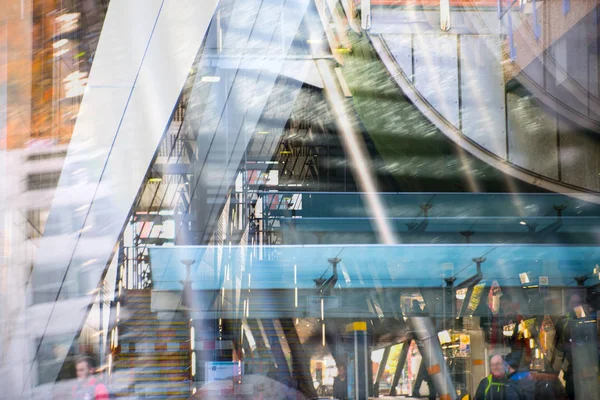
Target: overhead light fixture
(74,76)
(193,363)
(523,223)
(211,79)
(61,52)
(60,43)
(68,17)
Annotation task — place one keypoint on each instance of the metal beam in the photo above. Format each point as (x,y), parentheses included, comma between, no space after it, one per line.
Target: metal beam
(433,358)
(276,349)
(399,367)
(382,364)
(300,359)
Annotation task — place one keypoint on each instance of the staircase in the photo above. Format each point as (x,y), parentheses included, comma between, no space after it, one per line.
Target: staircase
(152,359)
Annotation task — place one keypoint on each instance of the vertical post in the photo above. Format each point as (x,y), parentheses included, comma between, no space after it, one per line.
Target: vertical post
(399,367)
(365,14)
(384,359)
(445,15)
(187,292)
(360,389)
(537,28)
(433,358)
(511,39)
(101,350)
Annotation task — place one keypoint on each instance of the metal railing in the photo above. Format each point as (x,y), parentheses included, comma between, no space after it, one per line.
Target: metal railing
(134,271)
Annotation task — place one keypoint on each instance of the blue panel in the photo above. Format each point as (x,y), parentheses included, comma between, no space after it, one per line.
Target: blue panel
(566,6)
(482,92)
(417,265)
(436,73)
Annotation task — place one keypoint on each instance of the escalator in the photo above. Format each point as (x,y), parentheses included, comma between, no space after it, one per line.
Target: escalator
(463,85)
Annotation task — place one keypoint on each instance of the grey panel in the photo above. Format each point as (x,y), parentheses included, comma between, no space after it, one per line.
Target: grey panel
(401,48)
(535,71)
(577,51)
(436,73)
(531,136)
(482,92)
(593,55)
(571,64)
(579,156)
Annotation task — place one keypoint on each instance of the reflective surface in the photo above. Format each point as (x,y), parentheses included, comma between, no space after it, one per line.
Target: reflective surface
(265,199)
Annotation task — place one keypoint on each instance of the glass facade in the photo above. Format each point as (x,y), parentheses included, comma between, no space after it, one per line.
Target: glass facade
(300,199)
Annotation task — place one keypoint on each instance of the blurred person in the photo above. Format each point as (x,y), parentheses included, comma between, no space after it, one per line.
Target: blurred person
(416,308)
(570,332)
(340,384)
(519,377)
(87,387)
(532,385)
(495,385)
(423,375)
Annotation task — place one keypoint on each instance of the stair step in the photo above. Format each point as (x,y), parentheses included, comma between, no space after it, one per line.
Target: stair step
(171,354)
(152,347)
(128,396)
(160,391)
(138,292)
(154,370)
(153,319)
(156,339)
(155,396)
(145,367)
(153,323)
(161,378)
(153,375)
(126,364)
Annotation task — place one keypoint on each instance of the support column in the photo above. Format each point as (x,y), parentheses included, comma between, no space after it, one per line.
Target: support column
(399,367)
(382,364)
(283,371)
(358,368)
(431,350)
(300,359)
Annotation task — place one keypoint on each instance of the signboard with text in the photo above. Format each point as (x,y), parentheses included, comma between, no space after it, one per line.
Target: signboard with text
(314,304)
(222,370)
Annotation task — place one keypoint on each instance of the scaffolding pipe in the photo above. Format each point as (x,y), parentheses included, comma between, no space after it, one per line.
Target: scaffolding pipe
(399,367)
(431,351)
(380,370)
